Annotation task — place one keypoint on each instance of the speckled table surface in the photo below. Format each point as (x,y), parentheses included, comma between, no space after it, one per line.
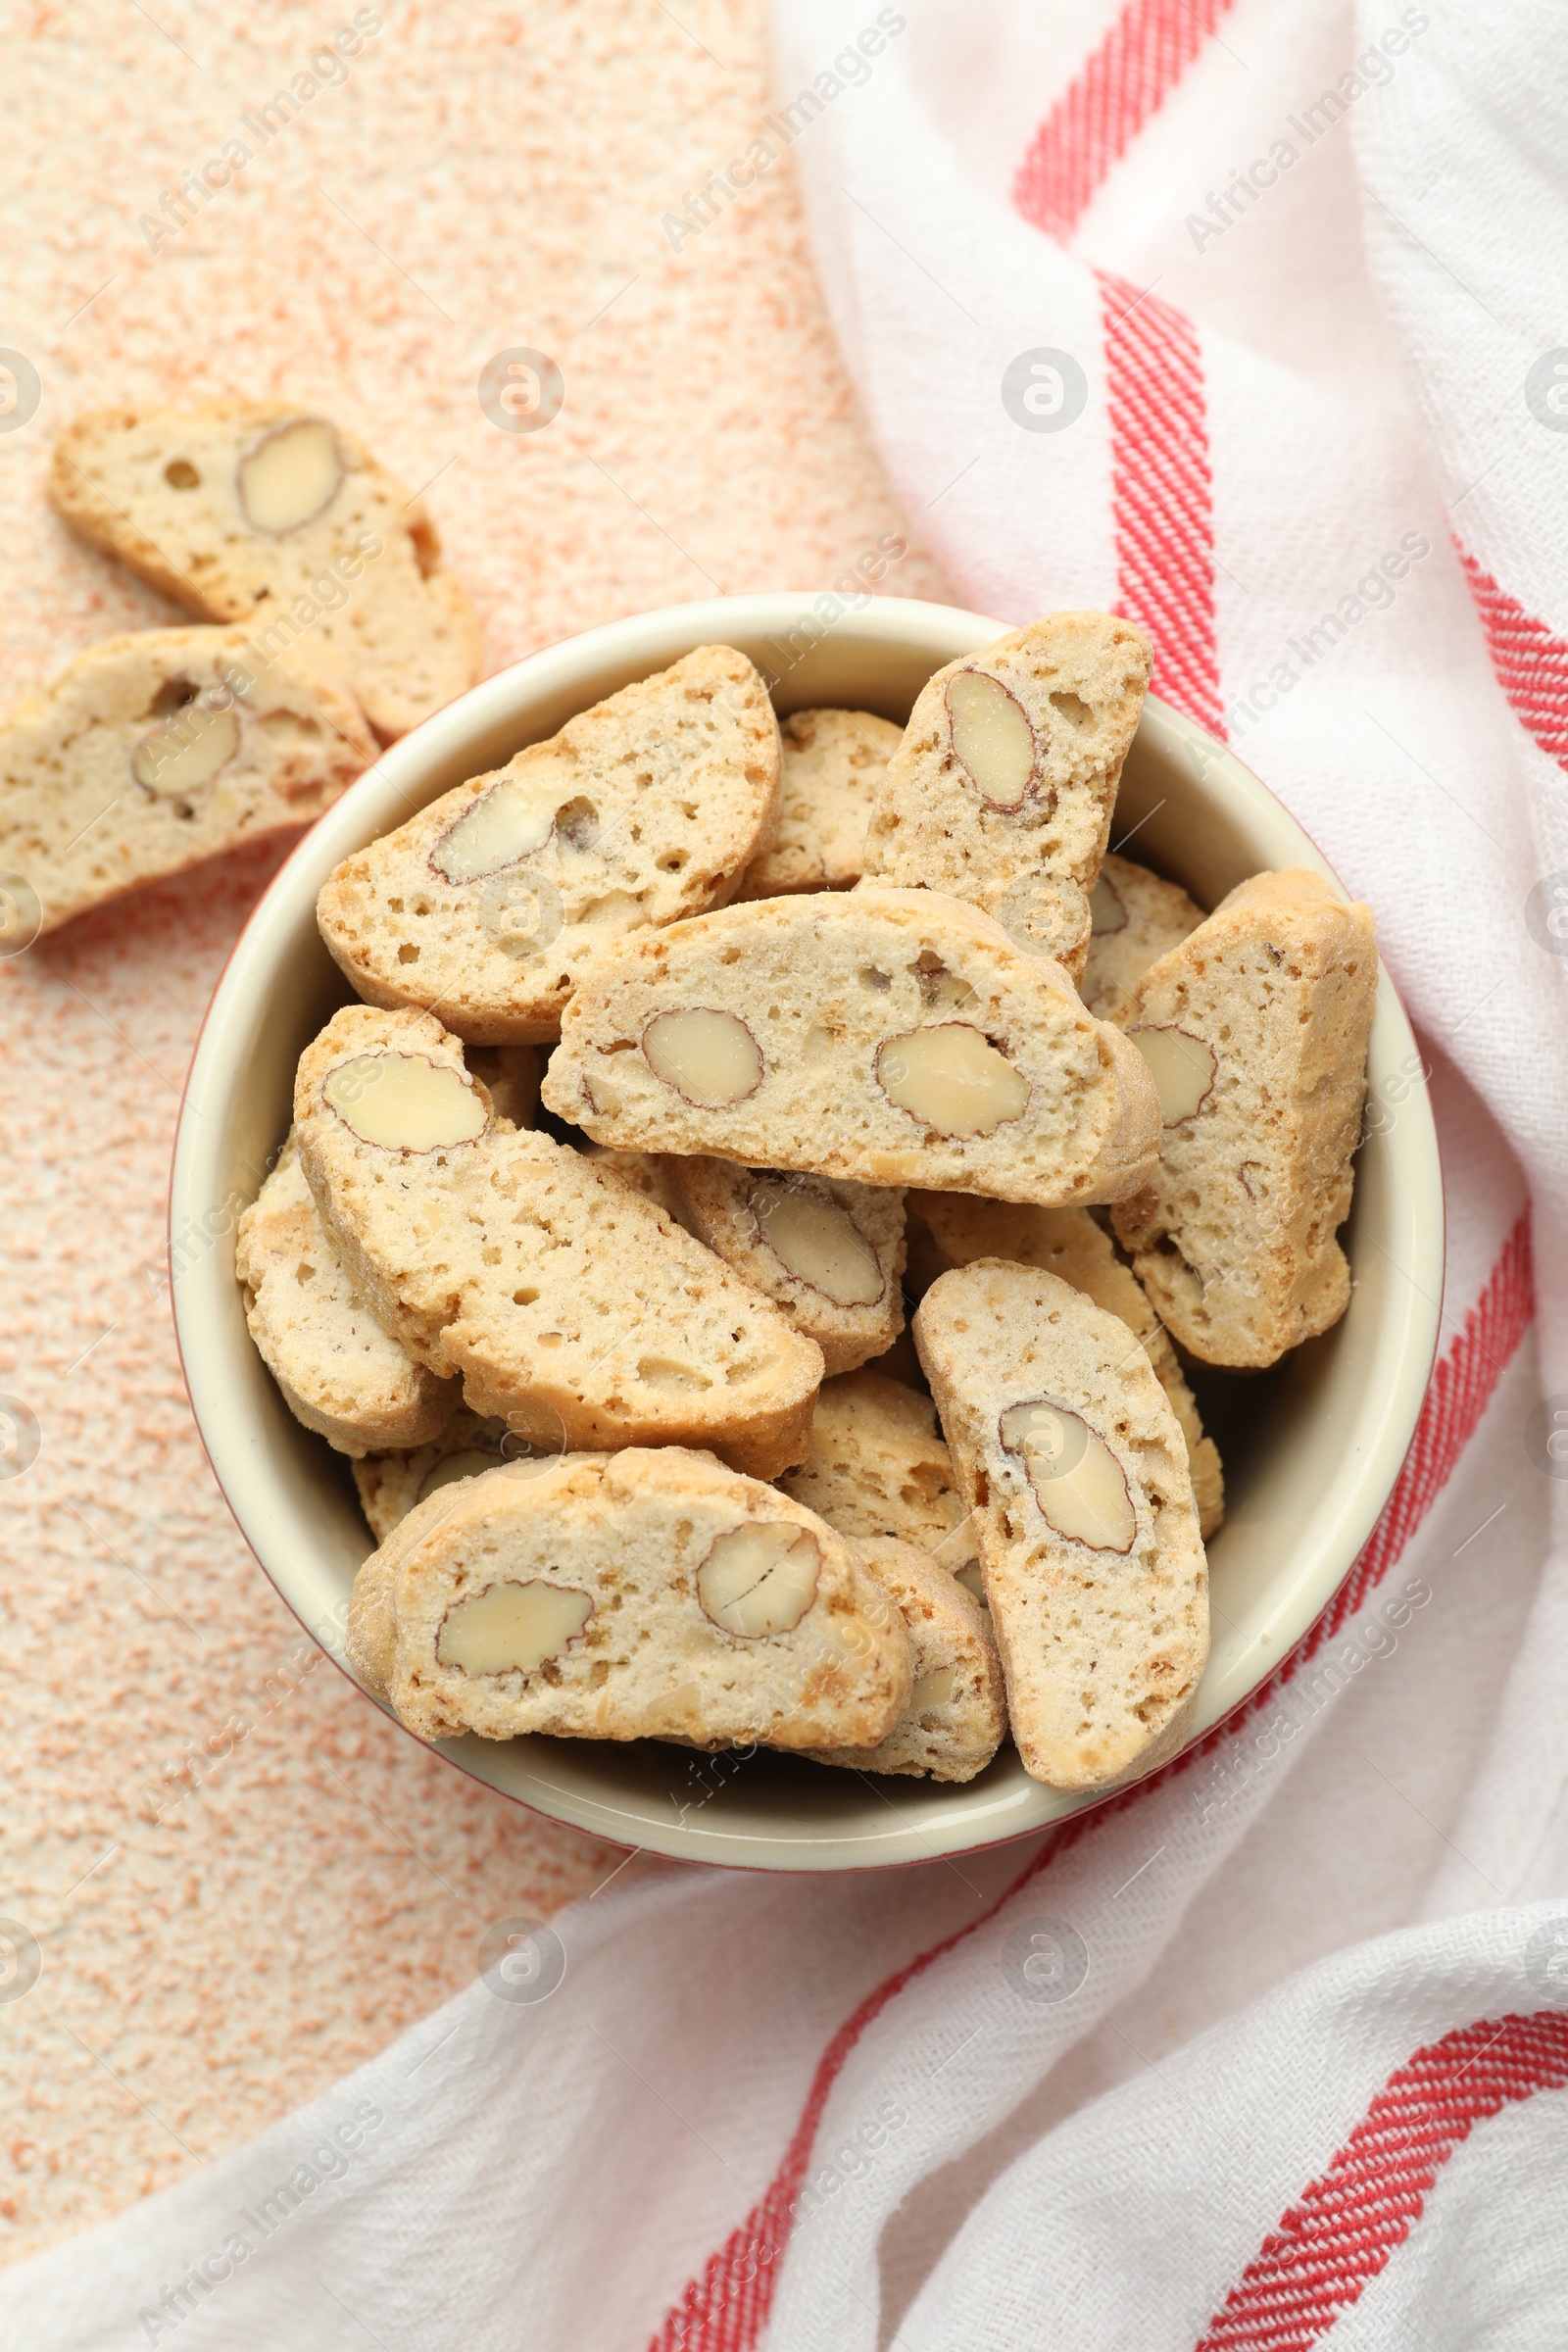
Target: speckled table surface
(218,1947)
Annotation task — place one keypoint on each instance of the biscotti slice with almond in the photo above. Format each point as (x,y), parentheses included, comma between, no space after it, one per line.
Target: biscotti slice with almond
(1136,918)
(271,514)
(1002,788)
(649,1595)
(573,1308)
(389,1484)
(829,1254)
(151,752)
(956,1228)
(341,1374)
(1255,1029)
(888,1036)
(834,763)
(880,1466)
(956,1717)
(493,901)
(1071,1458)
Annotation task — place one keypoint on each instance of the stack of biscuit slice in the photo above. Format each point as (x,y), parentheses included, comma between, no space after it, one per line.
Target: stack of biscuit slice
(689,1052)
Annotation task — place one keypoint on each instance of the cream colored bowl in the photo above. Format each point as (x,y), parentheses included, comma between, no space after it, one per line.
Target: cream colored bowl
(1307,1471)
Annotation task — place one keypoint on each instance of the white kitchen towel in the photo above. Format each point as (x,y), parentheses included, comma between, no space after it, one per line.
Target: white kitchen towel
(1241,319)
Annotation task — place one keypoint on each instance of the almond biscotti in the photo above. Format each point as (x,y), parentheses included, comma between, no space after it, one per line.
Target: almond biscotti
(644,1595)
(1002,787)
(956,1717)
(1255,1029)
(829,1254)
(1070,1455)
(389,1484)
(1136,918)
(266,513)
(834,761)
(1067,1242)
(340,1373)
(151,752)
(573,1308)
(492,903)
(878,1467)
(889,1037)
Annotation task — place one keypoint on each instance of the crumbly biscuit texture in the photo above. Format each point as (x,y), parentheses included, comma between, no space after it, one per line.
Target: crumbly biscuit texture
(341,1374)
(389,1484)
(573,1308)
(140,759)
(829,1254)
(956,1228)
(956,1717)
(1002,788)
(262,512)
(1257,1030)
(1136,918)
(1070,1455)
(653,1174)
(889,1036)
(494,900)
(644,1595)
(879,1467)
(834,761)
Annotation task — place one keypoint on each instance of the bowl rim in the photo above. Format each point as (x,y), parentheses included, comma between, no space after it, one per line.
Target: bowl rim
(650,641)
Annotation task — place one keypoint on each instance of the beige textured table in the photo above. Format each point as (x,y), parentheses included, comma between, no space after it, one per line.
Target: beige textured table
(216,1950)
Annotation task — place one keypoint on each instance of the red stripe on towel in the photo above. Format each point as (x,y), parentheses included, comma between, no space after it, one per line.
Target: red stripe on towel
(1097,118)
(1164,493)
(1340,2233)
(1532,664)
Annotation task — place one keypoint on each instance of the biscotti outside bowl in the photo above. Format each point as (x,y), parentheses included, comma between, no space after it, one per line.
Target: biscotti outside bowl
(1307,1480)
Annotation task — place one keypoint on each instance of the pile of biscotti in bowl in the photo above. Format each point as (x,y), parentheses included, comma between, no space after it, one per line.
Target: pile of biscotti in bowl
(762,1232)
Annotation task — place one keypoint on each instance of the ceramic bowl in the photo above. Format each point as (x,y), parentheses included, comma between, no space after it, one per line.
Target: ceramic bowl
(1311,1450)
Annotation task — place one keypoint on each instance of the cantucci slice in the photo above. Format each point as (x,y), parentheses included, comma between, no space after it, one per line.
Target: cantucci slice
(889,1036)
(389,1484)
(493,901)
(1069,1454)
(644,1595)
(956,1717)
(1255,1029)
(152,752)
(340,1372)
(573,1308)
(829,1254)
(880,1466)
(271,514)
(956,1228)
(1002,787)
(1136,918)
(834,761)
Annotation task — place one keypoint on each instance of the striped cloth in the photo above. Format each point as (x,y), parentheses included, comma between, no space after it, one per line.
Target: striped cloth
(1240,318)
